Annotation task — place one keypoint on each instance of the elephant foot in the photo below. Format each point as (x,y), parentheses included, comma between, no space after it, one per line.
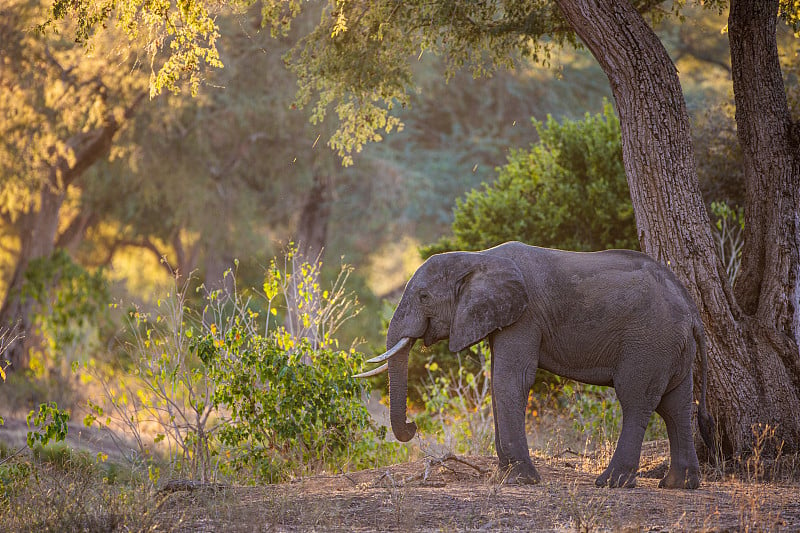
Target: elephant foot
(681,478)
(617,477)
(518,473)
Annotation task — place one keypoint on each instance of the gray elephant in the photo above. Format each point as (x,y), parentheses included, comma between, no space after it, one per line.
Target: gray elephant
(615,318)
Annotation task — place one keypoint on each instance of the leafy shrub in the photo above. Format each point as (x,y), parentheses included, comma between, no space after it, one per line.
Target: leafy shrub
(287,402)
(567,191)
(228,389)
(288,393)
(70,303)
(458,409)
(69,314)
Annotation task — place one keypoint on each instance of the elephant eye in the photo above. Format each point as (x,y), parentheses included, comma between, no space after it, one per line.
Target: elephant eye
(424,296)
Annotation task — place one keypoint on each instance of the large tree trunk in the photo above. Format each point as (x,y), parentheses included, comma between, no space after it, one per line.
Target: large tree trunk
(767,288)
(37,233)
(751,378)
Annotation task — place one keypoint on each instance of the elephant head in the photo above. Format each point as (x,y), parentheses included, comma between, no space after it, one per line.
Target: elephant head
(461,296)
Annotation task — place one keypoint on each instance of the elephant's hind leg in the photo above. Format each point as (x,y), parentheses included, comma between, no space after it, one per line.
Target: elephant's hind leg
(676,408)
(622,469)
(638,397)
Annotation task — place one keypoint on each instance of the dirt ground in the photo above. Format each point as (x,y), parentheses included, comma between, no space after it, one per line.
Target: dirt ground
(449,493)
(460,494)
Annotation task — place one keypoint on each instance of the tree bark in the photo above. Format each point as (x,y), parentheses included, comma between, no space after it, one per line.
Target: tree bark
(768,286)
(750,378)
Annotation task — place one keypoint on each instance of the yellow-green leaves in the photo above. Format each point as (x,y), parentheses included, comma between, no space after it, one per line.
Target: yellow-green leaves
(789,10)
(341,20)
(180,36)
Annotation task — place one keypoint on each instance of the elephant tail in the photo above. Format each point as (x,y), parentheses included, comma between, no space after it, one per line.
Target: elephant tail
(708,428)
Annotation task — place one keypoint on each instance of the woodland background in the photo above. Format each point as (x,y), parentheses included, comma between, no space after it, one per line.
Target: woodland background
(237,172)
(126,215)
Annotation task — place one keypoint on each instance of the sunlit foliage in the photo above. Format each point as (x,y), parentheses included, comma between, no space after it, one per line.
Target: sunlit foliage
(56,100)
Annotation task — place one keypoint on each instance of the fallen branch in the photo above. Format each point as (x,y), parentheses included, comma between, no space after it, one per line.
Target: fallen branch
(452,457)
(424,476)
(573,452)
(179,485)
(17,452)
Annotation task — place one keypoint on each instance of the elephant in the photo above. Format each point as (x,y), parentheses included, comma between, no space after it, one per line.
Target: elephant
(615,317)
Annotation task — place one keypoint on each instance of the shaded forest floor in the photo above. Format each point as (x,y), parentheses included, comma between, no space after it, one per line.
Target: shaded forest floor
(460,494)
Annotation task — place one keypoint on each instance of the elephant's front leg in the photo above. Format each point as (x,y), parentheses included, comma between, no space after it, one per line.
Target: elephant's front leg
(513,371)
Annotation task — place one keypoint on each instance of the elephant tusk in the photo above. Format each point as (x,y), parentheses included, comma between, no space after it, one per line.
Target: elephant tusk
(391,351)
(373,372)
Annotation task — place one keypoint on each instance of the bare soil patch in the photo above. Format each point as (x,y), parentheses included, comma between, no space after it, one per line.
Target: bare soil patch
(462,495)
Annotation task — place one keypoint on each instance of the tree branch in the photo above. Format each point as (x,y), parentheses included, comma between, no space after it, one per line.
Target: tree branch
(94,144)
(76,230)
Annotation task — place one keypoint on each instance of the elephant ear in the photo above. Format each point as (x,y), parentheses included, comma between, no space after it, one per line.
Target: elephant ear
(490,295)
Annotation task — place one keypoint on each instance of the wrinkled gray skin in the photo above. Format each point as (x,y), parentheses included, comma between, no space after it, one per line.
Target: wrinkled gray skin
(613,318)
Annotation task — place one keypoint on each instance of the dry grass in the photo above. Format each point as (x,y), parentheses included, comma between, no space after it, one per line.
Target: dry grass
(71,493)
(457,497)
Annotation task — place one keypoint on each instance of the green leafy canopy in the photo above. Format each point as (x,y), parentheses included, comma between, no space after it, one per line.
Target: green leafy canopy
(181,35)
(359,57)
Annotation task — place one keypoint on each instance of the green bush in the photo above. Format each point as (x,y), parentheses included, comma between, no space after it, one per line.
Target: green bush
(232,391)
(567,191)
(70,303)
(289,405)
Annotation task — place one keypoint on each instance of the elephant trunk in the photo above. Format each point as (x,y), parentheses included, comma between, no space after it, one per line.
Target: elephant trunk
(398,389)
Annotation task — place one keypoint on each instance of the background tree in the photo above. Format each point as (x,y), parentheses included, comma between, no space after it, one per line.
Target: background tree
(61,113)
